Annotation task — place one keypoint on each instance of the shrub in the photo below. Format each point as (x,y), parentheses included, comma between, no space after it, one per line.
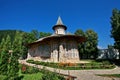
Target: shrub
(28,70)
(99,64)
(51,76)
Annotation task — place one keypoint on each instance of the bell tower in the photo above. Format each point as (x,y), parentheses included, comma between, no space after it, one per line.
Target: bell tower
(59,28)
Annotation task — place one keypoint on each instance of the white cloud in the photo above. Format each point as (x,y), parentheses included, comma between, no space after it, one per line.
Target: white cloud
(100,47)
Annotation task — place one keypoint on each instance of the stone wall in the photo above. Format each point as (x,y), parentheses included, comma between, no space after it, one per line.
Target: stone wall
(55,51)
(41,52)
(69,52)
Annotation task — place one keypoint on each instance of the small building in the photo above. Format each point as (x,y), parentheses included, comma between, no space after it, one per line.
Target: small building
(110,53)
(59,47)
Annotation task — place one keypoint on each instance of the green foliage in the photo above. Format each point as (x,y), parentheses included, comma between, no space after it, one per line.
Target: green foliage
(44,34)
(35,34)
(91,43)
(115,24)
(77,66)
(46,75)
(79,32)
(8,60)
(35,76)
(81,49)
(51,76)
(28,69)
(13,68)
(4,57)
(5,33)
(88,49)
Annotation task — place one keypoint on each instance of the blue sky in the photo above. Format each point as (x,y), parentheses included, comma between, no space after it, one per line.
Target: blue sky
(41,15)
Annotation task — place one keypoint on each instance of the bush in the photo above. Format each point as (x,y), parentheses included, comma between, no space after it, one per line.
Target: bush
(28,70)
(51,76)
(99,64)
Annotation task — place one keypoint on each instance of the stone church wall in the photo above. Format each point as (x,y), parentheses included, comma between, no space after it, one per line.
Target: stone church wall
(41,52)
(68,52)
(63,51)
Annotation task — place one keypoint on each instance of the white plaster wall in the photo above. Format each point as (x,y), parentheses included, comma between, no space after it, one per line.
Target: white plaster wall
(59,30)
(54,52)
(64,51)
(69,52)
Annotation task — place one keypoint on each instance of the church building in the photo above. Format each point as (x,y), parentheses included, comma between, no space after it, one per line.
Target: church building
(59,47)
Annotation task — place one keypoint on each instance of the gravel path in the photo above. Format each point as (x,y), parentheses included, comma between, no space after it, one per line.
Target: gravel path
(82,74)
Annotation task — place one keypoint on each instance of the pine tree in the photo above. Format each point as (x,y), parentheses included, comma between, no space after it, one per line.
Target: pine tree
(4,57)
(13,67)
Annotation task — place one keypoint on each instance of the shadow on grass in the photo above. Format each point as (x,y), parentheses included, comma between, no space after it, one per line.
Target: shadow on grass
(112,61)
(20,77)
(116,62)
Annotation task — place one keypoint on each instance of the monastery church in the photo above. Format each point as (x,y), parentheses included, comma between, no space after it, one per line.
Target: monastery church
(59,47)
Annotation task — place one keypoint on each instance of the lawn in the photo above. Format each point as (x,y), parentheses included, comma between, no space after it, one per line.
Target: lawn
(35,76)
(32,73)
(77,66)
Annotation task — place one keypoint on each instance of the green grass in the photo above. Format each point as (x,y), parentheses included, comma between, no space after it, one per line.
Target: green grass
(110,75)
(32,73)
(35,76)
(104,64)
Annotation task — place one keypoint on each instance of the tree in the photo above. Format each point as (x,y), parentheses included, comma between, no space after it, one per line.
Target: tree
(91,44)
(4,55)
(81,46)
(7,45)
(35,34)
(26,38)
(17,43)
(14,54)
(88,48)
(11,33)
(2,44)
(44,34)
(115,32)
(79,32)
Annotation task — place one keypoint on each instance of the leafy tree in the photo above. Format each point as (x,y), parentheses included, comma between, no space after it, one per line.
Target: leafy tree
(35,34)
(115,24)
(79,32)
(26,38)
(91,43)
(88,48)
(81,46)
(44,34)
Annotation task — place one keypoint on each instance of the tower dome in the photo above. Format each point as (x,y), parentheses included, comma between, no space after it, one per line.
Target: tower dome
(59,28)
